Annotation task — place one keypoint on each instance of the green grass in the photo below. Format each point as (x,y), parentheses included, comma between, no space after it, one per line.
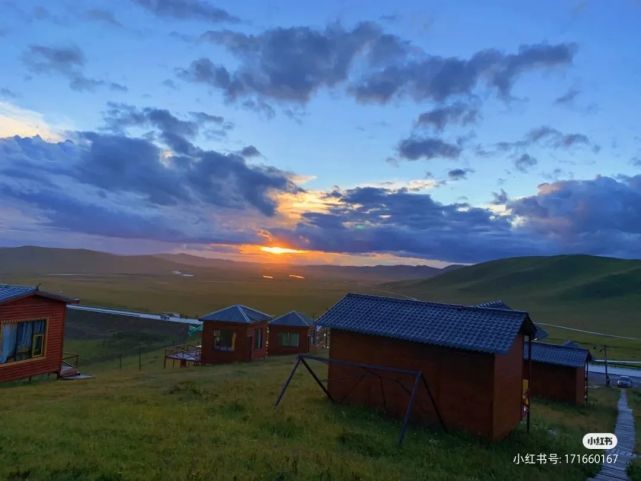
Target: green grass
(584,292)
(219,423)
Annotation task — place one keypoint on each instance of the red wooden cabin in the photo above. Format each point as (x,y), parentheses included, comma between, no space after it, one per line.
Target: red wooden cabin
(291,333)
(470,356)
(559,372)
(32,326)
(235,333)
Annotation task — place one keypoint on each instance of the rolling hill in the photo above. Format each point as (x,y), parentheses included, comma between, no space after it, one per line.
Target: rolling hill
(585,292)
(48,261)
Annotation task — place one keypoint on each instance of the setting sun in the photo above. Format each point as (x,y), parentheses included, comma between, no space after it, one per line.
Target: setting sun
(280,250)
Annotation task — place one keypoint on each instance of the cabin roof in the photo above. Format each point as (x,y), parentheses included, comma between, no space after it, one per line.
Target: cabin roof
(449,325)
(13,292)
(559,355)
(499,304)
(292,319)
(237,313)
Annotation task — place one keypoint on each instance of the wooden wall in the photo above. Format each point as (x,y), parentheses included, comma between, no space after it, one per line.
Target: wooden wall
(244,349)
(276,349)
(476,392)
(34,308)
(559,383)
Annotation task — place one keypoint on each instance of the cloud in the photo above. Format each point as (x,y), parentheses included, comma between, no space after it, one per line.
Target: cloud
(599,216)
(250,151)
(415,148)
(525,162)
(187,10)
(568,97)
(15,120)
(292,64)
(547,137)
(413,224)
(120,186)
(66,61)
(103,16)
(175,133)
(458,174)
(8,93)
(440,117)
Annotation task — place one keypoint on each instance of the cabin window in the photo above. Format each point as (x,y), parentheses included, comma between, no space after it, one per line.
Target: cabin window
(288,339)
(22,340)
(258,339)
(224,340)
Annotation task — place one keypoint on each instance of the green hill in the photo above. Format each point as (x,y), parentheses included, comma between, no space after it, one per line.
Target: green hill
(585,292)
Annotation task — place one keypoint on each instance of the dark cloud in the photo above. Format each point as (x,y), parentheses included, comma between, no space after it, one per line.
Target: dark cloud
(568,97)
(250,151)
(397,221)
(124,165)
(544,136)
(291,64)
(457,113)
(174,132)
(187,10)
(458,174)
(599,216)
(524,162)
(415,148)
(103,16)
(66,61)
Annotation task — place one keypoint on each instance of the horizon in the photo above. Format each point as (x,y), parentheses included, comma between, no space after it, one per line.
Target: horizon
(339,133)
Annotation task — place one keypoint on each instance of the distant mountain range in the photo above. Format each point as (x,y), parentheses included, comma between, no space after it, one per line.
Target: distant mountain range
(46,260)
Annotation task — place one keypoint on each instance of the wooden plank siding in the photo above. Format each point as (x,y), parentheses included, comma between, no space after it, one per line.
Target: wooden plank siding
(559,383)
(244,349)
(275,348)
(29,309)
(477,392)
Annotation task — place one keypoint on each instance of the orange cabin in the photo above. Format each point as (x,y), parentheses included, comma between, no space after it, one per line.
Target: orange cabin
(32,326)
(291,333)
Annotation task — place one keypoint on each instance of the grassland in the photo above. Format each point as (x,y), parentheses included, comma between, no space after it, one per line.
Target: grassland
(219,423)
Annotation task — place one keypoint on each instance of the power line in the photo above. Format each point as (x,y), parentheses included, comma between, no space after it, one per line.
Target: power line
(589,332)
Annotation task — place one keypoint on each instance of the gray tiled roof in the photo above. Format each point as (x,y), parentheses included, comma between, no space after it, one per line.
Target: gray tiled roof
(12,292)
(292,319)
(462,327)
(237,313)
(559,355)
(499,304)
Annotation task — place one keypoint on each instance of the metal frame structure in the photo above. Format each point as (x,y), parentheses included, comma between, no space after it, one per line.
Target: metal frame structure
(369,370)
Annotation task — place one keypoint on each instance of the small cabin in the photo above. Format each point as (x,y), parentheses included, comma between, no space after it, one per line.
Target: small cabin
(471,357)
(32,327)
(234,334)
(559,372)
(291,333)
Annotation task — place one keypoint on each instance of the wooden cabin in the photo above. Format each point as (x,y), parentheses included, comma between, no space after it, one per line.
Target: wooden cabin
(235,333)
(32,327)
(471,358)
(291,333)
(559,372)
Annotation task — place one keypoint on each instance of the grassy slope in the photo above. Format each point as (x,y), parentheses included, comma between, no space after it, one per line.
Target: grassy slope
(219,423)
(585,292)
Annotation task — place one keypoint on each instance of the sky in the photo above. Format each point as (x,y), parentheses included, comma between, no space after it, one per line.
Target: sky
(347,132)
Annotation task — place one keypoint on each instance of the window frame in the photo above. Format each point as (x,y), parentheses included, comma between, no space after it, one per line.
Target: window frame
(43,335)
(289,335)
(218,335)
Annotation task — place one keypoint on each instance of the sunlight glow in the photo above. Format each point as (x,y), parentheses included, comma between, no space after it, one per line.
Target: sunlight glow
(280,250)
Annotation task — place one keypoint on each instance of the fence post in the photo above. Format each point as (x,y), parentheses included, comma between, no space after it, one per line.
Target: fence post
(139,359)
(120,359)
